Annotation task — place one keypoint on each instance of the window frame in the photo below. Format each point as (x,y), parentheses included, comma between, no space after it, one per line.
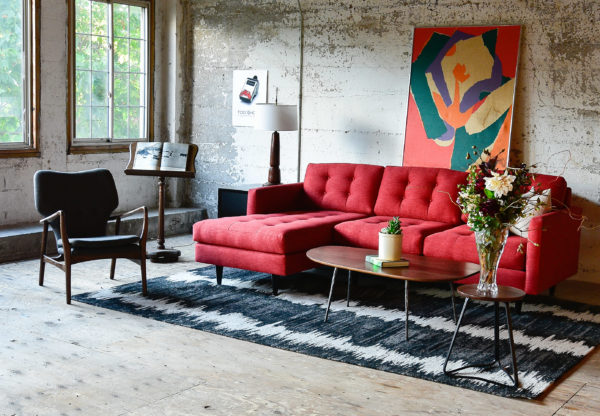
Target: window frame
(74,147)
(30,148)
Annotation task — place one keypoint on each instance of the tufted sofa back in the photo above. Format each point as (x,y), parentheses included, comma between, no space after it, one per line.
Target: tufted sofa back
(344,187)
(420,193)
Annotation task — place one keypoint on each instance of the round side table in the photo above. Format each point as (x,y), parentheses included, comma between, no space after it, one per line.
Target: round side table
(505,295)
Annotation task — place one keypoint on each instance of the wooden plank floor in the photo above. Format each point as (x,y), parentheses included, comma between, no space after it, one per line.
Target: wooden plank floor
(79,359)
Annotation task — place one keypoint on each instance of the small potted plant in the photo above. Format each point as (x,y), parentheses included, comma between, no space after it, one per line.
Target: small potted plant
(390,241)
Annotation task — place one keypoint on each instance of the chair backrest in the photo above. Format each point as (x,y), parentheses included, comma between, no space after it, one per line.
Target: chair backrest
(87,199)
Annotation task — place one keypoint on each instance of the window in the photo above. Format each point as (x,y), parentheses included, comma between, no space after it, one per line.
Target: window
(110,74)
(18,97)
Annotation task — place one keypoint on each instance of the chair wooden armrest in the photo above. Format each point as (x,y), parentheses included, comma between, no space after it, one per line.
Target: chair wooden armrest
(127,214)
(63,232)
(118,217)
(50,217)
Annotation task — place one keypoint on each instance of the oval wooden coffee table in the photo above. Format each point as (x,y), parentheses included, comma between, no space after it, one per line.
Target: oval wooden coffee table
(420,269)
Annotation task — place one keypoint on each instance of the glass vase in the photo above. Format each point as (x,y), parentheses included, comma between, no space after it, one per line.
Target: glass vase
(490,245)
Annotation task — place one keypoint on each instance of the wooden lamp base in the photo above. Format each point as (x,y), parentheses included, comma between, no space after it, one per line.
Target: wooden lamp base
(274,173)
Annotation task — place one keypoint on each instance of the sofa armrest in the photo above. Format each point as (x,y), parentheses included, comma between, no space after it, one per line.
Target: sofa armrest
(552,249)
(276,198)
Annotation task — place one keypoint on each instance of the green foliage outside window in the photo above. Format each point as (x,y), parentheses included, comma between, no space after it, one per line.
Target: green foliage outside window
(11,72)
(94,72)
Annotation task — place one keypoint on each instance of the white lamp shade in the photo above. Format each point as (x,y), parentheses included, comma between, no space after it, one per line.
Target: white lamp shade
(273,117)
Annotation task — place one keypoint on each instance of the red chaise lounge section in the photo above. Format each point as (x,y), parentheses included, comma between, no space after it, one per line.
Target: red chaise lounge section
(284,221)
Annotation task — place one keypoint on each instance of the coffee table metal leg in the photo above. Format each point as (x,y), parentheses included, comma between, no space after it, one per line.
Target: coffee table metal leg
(330,292)
(349,284)
(453,301)
(406,309)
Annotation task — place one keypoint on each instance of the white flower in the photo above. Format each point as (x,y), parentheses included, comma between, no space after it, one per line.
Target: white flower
(500,185)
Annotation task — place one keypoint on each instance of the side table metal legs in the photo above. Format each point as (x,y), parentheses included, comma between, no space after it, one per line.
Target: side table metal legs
(514,377)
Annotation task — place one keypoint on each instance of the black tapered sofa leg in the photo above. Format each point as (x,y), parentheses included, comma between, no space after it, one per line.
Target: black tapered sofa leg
(219,270)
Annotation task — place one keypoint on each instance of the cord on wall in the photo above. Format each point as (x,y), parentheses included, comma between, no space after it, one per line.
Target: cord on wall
(301,74)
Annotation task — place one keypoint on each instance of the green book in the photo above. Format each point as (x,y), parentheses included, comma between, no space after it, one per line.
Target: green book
(386,263)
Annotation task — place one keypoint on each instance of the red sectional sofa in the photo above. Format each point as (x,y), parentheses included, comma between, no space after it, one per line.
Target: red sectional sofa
(347,204)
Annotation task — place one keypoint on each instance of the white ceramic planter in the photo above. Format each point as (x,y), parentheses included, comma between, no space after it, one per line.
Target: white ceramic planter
(390,246)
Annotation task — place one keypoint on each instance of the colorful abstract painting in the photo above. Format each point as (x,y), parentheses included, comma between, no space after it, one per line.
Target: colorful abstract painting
(462,88)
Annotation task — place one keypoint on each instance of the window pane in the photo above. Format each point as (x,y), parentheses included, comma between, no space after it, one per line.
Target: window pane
(135,22)
(82,88)
(100,122)
(82,51)
(120,88)
(99,53)
(11,72)
(136,86)
(99,18)
(121,20)
(82,11)
(99,88)
(135,56)
(121,115)
(135,123)
(121,56)
(82,123)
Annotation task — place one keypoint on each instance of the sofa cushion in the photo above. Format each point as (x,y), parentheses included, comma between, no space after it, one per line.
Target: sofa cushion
(343,187)
(365,232)
(280,233)
(420,193)
(458,243)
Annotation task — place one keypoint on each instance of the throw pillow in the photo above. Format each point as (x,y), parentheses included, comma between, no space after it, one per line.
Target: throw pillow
(521,227)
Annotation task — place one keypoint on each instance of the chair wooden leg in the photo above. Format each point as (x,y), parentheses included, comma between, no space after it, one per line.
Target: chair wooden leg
(143,269)
(68,281)
(113,264)
(42,269)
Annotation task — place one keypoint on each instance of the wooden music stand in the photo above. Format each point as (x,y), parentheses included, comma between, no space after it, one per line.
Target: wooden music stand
(162,254)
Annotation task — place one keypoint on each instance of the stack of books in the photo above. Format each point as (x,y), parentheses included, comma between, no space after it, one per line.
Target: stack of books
(386,263)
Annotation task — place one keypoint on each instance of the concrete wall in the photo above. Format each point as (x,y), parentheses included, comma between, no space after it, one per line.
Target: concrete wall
(355,86)
(16,175)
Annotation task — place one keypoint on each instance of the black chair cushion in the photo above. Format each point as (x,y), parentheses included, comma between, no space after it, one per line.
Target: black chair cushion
(102,242)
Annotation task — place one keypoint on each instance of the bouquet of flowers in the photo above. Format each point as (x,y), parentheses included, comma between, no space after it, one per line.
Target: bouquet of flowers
(493,200)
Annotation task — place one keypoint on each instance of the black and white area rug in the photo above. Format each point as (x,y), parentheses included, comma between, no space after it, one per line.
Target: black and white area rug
(551,336)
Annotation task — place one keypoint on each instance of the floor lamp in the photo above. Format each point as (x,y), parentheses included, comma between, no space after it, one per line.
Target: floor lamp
(275,118)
